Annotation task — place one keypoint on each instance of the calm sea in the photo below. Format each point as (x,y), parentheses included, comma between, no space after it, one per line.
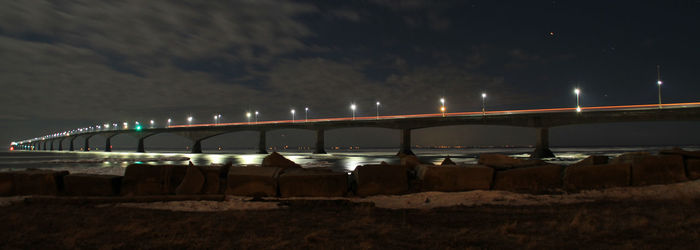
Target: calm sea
(115,162)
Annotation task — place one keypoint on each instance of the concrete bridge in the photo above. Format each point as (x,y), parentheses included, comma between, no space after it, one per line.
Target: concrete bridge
(540,119)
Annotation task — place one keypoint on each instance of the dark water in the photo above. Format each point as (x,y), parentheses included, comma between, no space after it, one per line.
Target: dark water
(115,162)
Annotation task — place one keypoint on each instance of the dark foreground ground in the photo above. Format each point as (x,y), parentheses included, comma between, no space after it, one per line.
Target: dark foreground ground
(341,225)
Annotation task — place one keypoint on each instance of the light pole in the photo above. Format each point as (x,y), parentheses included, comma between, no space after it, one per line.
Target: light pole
(578,93)
(658,81)
(378,110)
(306,114)
(169,121)
(247,115)
(292,115)
(153,123)
(442,107)
(216,118)
(353,107)
(483,103)
(189,120)
(256,117)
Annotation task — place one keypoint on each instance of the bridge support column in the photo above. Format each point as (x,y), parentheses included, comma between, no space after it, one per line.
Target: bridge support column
(542,145)
(71,148)
(320,142)
(87,144)
(262,142)
(108,144)
(51,143)
(60,144)
(406,142)
(197,147)
(140,148)
(44,146)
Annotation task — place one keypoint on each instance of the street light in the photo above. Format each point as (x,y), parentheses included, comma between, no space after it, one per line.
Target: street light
(353,107)
(658,81)
(292,115)
(306,114)
(152,123)
(189,120)
(256,116)
(247,115)
(483,103)
(378,110)
(126,125)
(578,93)
(169,121)
(442,107)
(216,117)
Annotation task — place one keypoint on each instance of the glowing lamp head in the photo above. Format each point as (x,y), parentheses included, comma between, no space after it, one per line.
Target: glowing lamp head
(189,119)
(378,103)
(353,107)
(659,82)
(170,120)
(256,113)
(577,91)
(578,109)
(292,111)
(306,109)
(152,122)
(247,114)
(442,109)
(442,100)
(138,128)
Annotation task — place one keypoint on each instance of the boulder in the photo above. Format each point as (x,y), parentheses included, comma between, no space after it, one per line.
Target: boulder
(142,179)
(38,182)
(381,179)
(410,161)
(592,160)
(538,179)
(7,184)
(253,181)
(596,176)
(680,151)
(629,157)
(692,167)
(278,161)
(455,177)
(312,183)
(192,183)
(448,161)
(500,161)
(215,178)
(662,169)
(92,184)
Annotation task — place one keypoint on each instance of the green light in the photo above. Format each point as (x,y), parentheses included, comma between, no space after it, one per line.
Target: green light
(138,128)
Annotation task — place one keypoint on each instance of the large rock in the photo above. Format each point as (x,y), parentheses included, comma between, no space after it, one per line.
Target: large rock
(684,153)
(142,179)
(312,183)
(38,182)
(192,183)
(662,169)
(455,177)
(692,167)
(215,176)
(410,161)
(538,179)
(448,161)
(278,161)
(500,161)
(592,160)
(7,184)
(596,176)
(253,181)
(92,184)
(381,179)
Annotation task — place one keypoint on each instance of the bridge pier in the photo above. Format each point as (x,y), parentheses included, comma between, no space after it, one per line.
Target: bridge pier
(405,142)
(108,144)
(197,147)
(60,144)
(51,145)
(45,147)
(262,142)
(87,144)
(71,148)
(542,145)
(140,148)
(320,142)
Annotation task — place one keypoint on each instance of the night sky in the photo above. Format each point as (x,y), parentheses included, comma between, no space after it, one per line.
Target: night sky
(67,65)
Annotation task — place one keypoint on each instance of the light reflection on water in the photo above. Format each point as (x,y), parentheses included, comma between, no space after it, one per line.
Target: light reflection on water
(338,161)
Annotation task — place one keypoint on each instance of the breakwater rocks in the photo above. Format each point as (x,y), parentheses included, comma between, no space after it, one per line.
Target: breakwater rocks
(280,177)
